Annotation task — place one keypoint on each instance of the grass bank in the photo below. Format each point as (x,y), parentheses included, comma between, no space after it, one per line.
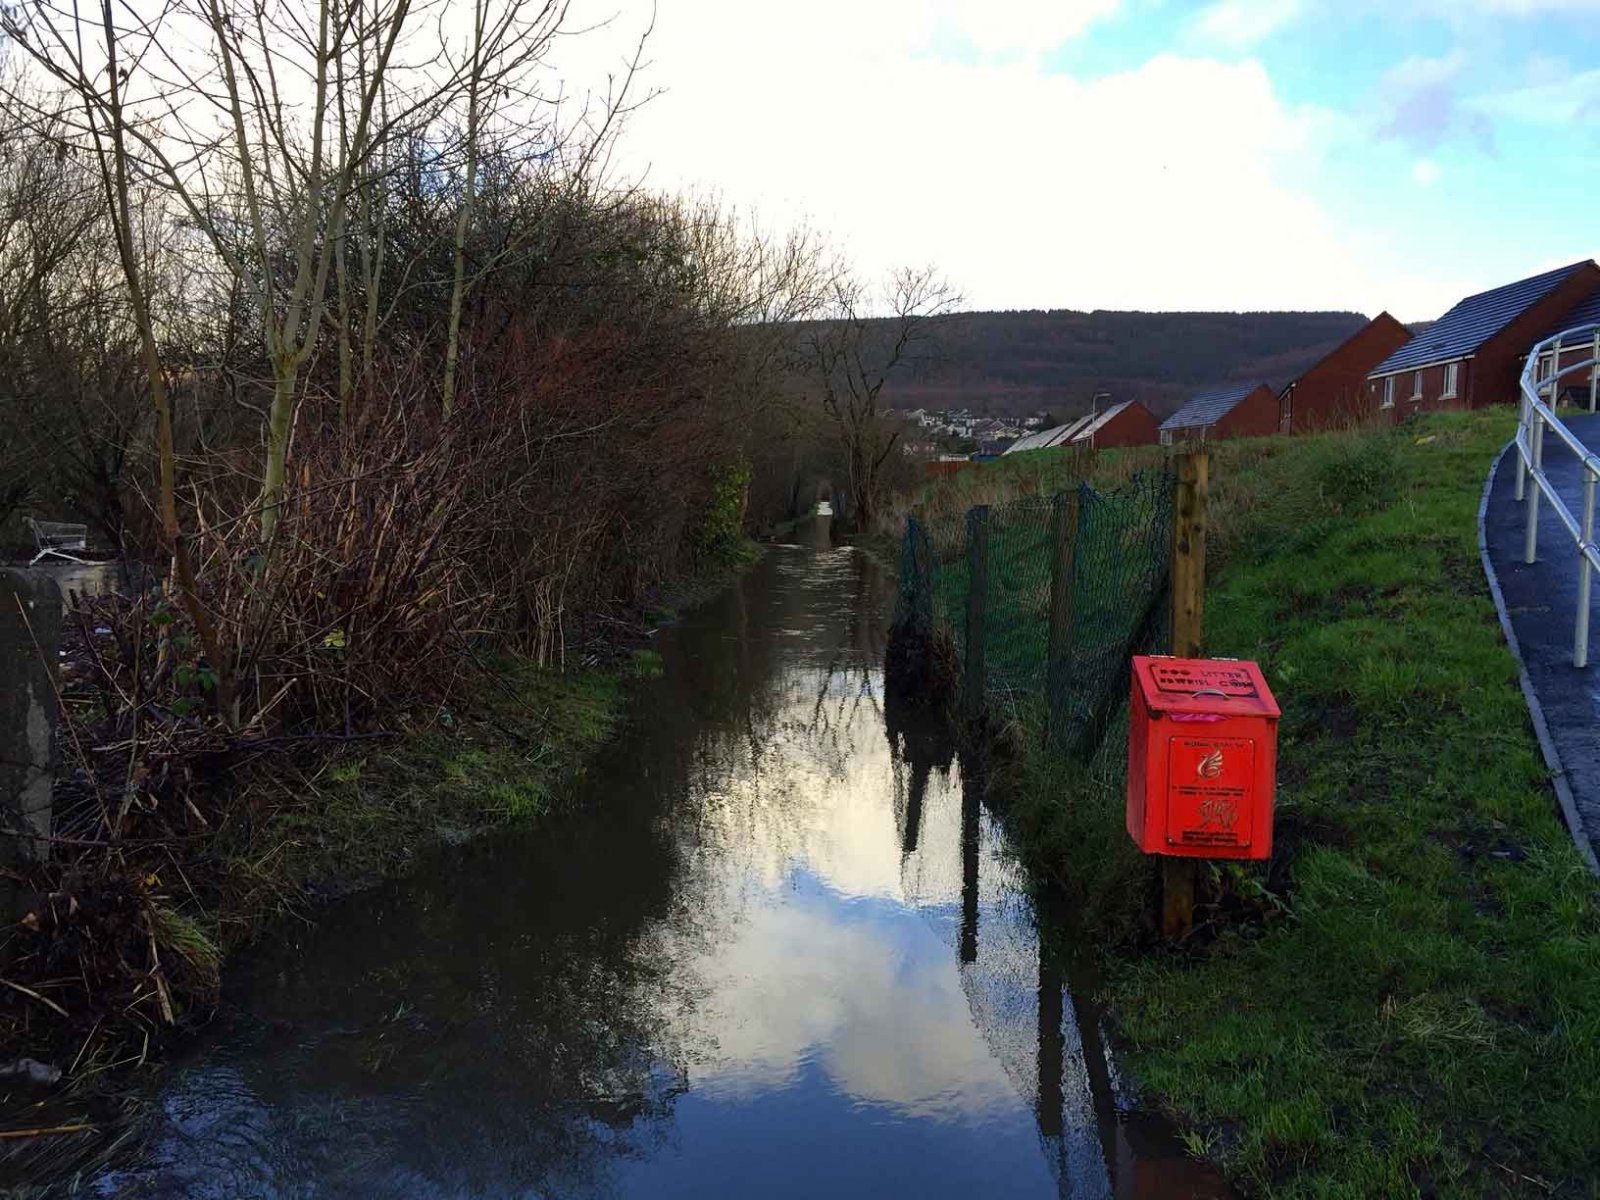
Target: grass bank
(1406,1000)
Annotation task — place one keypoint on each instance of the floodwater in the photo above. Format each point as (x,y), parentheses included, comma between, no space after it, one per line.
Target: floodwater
(773,952)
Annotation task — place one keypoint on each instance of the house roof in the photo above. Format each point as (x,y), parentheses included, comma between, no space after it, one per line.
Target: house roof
(1473,321)
(1208,408)
(1058,435)
(1034,441)
(1585,312)
(1099,421)
(1377,324)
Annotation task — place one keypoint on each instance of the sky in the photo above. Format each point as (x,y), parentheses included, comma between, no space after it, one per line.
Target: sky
(1135,154)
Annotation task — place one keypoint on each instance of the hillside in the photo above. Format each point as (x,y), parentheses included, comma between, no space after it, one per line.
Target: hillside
(1017,362)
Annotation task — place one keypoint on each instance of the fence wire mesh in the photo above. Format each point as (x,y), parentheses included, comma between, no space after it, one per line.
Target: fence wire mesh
(1061,591)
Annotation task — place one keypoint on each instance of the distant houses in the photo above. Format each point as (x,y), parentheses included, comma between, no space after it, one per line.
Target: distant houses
(1470,357)
(1129,423)
(1056,435)
(1473,354)
(1332,392)
(1242,410)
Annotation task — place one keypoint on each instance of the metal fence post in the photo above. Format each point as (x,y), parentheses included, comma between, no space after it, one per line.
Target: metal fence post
(1064,537)
(1594,368)
(1530,541)
(1522,427)
(1580,637)
(977,593)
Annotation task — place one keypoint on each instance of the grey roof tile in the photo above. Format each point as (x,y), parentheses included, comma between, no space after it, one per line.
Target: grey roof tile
(1585,312)
(1208,408)
(1474,321)
(1098,422)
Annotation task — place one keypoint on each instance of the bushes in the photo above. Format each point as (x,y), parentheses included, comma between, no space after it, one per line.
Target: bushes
(613,369)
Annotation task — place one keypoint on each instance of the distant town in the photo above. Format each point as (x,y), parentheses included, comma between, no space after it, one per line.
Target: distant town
(959,433)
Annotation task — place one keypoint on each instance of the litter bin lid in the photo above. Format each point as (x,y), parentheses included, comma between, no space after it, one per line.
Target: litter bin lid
(1223,687)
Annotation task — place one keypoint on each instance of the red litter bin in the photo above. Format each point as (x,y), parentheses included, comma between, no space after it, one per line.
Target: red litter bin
(1202,758)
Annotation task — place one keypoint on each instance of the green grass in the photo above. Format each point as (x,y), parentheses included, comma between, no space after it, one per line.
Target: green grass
(361,815)
(1406,1002)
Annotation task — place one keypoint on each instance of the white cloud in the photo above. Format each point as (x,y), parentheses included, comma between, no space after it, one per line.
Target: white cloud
(1564,101)
(1422,105)
(1181,183)
(1246,22)
(1425,172)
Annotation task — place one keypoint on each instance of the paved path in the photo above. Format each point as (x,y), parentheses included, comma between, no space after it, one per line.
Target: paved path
(1540,602)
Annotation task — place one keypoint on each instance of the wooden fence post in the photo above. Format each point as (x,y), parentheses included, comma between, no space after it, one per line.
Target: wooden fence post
(30,634)
(1189,552)
(977,593)
(1064,536)
(1180,876)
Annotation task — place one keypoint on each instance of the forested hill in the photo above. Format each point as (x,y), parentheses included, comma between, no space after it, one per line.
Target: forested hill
(1018,362)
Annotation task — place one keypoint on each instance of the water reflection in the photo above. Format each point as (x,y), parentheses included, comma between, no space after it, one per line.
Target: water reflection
(779,949)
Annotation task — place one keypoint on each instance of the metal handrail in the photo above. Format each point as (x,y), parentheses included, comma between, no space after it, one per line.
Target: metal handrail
(1535,417)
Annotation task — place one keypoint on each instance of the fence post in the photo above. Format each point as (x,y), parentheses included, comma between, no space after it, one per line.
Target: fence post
(1594,369)
(1179,876)
(1580,637)
(30,632)
(1530,537)
(1064,537)
(1189,551)
(977,592)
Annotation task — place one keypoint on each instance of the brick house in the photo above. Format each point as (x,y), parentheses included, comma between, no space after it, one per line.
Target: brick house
(1333,392)
(1243,410)
(1473,354)
(1127,424)
(1577,385)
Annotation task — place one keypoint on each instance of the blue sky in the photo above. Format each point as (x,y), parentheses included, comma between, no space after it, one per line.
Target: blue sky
(1156,154)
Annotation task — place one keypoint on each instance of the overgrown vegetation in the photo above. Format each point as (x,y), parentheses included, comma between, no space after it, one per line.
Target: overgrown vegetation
(1406,999)
(332,325)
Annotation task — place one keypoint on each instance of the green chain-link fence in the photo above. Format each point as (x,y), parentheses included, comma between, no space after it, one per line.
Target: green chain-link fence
(1063,591)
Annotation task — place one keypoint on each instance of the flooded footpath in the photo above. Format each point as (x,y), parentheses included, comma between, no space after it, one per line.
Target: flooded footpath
(774,949)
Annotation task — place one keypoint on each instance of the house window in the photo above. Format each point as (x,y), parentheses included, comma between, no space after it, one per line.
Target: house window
(1166,437)
(1416,385)
(1388,391)
(1451,372)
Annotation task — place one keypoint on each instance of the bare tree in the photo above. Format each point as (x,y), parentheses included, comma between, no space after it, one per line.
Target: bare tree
(849,356)
(100,89)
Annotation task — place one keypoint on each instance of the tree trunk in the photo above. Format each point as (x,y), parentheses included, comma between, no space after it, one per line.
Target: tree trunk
(279,420)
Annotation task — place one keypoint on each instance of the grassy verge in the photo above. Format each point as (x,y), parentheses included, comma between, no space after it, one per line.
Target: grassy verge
(1406,1001)
(353,817)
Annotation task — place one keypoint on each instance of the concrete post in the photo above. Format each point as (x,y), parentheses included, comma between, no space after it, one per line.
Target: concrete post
(30,638)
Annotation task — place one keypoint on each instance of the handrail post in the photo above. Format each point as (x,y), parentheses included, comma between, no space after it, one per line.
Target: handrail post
(1594,367)
(1530,541)
(1555,375)
(1522,428)
(1580,638)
